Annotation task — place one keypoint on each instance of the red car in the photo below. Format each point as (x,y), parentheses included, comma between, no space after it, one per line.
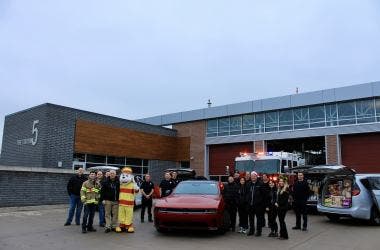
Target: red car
(193,204)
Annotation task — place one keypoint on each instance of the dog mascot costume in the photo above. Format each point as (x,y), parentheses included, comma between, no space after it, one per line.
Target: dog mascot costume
(128,189)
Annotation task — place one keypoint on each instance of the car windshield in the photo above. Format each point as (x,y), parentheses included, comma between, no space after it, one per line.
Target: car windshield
(268,166)
(205,188)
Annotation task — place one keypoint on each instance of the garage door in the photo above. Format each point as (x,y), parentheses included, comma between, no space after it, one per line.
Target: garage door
(224,155)
(361,152)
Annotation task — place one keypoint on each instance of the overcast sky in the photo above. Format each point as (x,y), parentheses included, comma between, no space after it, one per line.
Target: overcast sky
(135,59)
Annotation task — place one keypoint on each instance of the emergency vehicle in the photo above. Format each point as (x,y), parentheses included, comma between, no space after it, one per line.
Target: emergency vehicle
(273,164)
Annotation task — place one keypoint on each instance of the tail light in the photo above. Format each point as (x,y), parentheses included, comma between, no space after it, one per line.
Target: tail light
(355,190)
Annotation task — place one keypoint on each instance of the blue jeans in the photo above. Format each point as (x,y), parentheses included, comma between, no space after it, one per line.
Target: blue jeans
(75,203)
(88,216)
(102,219)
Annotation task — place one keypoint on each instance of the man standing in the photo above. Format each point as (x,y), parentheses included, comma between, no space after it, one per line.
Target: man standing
(231,196)
(89,195)
(73,188)
(267,190)
(99,180)
(256,204)
(147,189)
(109,195)
(301,192)
(166,185)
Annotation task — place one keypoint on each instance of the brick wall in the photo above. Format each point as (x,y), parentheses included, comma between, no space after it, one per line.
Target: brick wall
(197,133)
(33,188)
(332,149)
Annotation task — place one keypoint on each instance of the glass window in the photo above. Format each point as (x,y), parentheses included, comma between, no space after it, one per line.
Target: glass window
(137,170)
(331,115)
(377,104)
(317,116)
(79,157)
(146,163)
(212,127)
(259,123)
(115,160)
(197,187)
(346,113)
(235,126)
(96,158)
(271,121)
(301,118)
(248,123)
(365,111)
(224,126)
(286,119)
(134,162)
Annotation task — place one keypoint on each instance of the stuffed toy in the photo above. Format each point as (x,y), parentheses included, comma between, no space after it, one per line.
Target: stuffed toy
(128,189)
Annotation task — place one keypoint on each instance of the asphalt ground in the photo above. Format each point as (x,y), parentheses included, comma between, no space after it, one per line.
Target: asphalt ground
(42,228)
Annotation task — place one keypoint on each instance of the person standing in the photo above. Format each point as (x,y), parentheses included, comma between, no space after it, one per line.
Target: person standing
(73,189)
(99,180)
(89,195)
(230,195)
(166,186)
(256,198)
(301,193)
(242,206)
(282,207)
(175,179)
(109,197)
(272,210)
(265,180)
(237,177)
(147,190)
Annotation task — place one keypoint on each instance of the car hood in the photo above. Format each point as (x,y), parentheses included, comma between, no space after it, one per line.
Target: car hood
(189,201)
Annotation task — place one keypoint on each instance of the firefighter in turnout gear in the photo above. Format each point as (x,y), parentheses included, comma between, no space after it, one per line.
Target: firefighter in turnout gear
(89,195)
(128,189)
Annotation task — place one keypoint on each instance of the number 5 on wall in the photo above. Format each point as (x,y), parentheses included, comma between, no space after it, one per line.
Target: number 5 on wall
(35,132)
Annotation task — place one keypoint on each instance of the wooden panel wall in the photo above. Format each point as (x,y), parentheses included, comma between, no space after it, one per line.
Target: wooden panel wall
(103,139)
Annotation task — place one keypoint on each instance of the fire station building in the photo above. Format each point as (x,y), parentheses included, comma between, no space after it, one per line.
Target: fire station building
(42,145)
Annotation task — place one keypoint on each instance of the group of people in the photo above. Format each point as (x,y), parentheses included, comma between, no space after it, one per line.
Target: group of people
(252,197)
(102,192)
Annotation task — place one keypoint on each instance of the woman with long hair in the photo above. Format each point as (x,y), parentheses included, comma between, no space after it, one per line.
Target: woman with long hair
(272,209)
(282,207)
(242,206)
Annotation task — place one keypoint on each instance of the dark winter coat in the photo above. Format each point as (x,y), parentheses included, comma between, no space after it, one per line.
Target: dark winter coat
(75,184)
(283,200)
(230,193)
(257,195)
(301,191)
(110,190)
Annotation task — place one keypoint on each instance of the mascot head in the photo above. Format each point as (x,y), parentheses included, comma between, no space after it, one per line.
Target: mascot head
(126,175)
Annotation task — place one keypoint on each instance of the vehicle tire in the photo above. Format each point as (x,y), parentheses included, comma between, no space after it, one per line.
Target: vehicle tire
(225,225)
(375,216)
(161,230)
(333,217)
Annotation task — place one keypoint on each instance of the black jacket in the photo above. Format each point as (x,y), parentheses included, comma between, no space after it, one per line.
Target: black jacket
(257,195)
(242,195)
(110,190)
(230,193)
(301,191)
(75,184)
(272,197)
(282,200)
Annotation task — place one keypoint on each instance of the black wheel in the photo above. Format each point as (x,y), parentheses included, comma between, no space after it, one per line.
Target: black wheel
(375,216)
(226,222)
(333,217)
(161,230)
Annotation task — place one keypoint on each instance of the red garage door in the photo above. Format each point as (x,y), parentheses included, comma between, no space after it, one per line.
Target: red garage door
(361,152)
(224,155)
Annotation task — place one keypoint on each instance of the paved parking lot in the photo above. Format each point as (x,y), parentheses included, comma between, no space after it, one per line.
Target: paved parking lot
(42,228)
